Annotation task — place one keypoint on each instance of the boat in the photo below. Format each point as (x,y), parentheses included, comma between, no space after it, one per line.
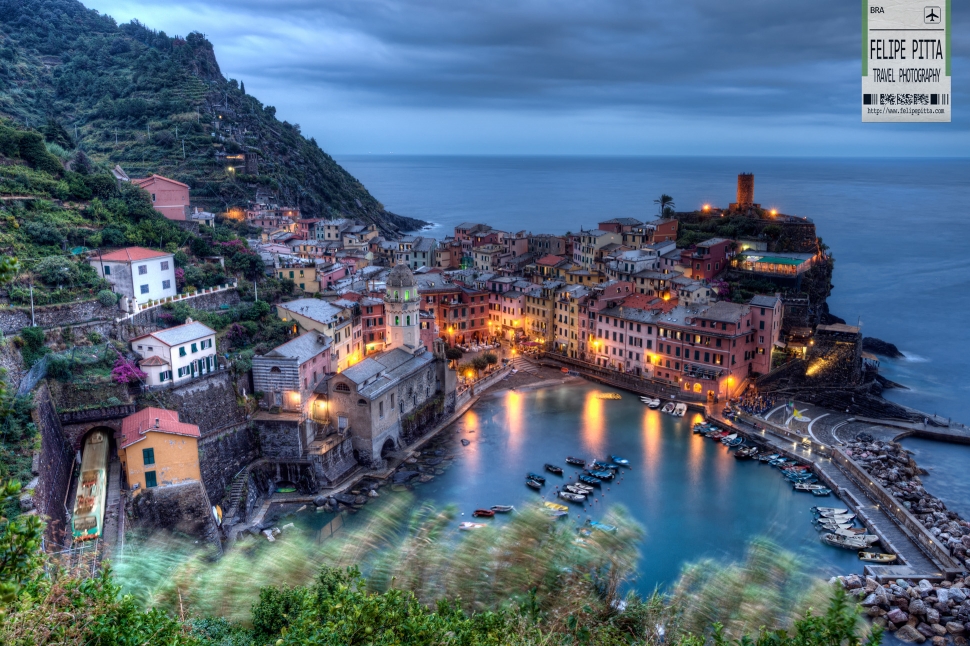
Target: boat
(603,527)
(840,514)
(668,408)
(502,509)
(804,486)
(466,525)
(845,542)
(768,457)
(579,462)
(838,520)
(533,484)
(483,513)
(876,557)
(702,428)
(286,490)
(680,410)
(571,497)
(555,506)
(590,480)
(653,403)
(829,510)
(738,441)
(831,527)
(552,468)
(746,453)
(609,396)
(603,466)
(729,437)
(583,487)
(825,491)
(536,477)
(623,462)
(571,488)
(602,475)
(556,513)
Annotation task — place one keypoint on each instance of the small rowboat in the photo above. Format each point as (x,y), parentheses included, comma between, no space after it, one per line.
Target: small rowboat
(603,466)
(590,480)
(579,462)
(651,402)
(738,441)
(845,542)
(483,513)
(555,506)
(668,408)
(825,491)
(536,477)
(582,487)
(841,513)
(829,510)
(533,484)
(768,458)
(556,513)
(571,488)
(603,527)
(602,475)
(466,526)
(623,462)
(803,486)
(552,468)
(502,509)
(571,497)
(680,410)
(876,557)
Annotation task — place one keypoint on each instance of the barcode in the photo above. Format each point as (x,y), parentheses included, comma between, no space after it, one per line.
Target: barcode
(906,99)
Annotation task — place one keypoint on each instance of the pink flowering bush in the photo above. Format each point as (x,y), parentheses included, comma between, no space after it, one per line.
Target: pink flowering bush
(126,371)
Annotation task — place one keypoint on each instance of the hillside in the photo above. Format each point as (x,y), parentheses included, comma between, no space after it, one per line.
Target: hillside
(158,104)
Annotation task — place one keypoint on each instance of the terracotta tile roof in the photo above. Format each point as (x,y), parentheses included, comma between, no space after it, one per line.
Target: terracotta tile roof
(153,360)
(133,254)
(159,420)
(550,260)
(144,181)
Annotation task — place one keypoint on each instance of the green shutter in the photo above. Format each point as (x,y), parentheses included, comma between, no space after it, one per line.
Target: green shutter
(148,457)
(150,480)
(194,348)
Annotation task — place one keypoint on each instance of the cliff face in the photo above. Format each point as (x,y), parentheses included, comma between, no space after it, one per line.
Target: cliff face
(153,103)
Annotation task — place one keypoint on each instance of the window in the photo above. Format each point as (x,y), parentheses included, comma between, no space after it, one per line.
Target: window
(142,270)
(164,265)
(148,457)
(107,270)
(143,289)
(380,409)
(342,388)
(182,351)
(166,284)
(397,320)
(150,480)
(761,325)
(153,197)
(194,348)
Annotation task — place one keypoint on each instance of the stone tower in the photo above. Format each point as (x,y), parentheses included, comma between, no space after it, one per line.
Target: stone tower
(401,306)
(745,191)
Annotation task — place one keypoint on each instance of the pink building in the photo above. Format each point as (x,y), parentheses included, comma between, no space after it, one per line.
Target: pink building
(708,259)
(170,198)
(372,324)
(330,274)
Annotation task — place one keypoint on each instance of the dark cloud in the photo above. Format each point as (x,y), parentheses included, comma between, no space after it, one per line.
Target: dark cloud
(685,60)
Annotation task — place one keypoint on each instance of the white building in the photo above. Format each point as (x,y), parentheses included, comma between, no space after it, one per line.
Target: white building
(177,353)
(140,274)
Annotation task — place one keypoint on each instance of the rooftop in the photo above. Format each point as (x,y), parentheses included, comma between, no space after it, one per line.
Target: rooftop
(303,348)
(135,426)
(133,254)
(313,309)
(173,336)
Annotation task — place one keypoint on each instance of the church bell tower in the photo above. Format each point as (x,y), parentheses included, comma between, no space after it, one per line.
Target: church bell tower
(402,310)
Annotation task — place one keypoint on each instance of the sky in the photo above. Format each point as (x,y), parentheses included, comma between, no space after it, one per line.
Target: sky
(561,77)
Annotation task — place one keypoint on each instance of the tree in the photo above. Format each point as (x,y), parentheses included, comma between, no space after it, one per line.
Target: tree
(666,204)
(126,371)
(491,358)
(453,354)
(479,363)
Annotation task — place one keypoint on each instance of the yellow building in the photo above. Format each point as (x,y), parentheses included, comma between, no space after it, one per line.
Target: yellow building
(304,277)
(157,450)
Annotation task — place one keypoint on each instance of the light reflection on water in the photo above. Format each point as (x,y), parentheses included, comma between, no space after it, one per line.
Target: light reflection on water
(693,498)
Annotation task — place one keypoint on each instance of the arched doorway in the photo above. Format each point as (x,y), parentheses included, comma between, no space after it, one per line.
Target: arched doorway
(387,449)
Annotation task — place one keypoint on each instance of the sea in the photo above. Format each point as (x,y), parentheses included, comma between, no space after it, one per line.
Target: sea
(897,228)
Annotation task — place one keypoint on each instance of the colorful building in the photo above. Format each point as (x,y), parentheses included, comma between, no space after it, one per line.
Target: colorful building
(157,450)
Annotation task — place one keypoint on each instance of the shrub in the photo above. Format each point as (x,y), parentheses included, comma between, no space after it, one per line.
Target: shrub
(107,298)
(126,372)
(56,271)
(43,234)
(491,358)
(59,368)
(479,363)
(454,354)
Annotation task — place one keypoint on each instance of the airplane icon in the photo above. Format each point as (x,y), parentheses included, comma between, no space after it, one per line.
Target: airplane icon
(930,15)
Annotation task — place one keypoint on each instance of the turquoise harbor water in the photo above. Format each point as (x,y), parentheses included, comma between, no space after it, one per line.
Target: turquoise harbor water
(693,498)
(895,226)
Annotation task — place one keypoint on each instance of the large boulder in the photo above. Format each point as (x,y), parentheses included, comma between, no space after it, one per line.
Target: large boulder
(917,607)
(909,634)
(897,616)
(925,585)
(932,616)
(926,630)
(955,628)
(403,476)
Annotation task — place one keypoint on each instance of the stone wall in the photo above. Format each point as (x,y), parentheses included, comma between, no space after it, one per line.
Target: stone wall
(13,319)
(279,436)
(182,508)
(331,466)
(147,321)
(209,402)
(268,474)
(222,455)
(55,468)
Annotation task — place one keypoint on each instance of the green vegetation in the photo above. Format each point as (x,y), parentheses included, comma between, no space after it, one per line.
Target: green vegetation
(152,103)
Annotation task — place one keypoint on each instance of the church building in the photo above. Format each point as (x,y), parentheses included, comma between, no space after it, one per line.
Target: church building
(377,400)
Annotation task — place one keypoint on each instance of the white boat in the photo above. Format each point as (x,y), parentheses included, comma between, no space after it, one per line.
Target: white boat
(728,438)
(829,510)
(467,525)
(801,486)
(869,539)
(652,402)
(680,410)
(834,514)
(838,520)
(845,542)
(668,408)
(831,527)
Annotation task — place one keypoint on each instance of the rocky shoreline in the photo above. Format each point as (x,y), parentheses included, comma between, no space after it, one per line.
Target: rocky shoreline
(896,470)
(916,612)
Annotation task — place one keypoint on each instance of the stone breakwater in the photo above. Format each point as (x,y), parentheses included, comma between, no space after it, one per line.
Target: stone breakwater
(896,470)
(916,612)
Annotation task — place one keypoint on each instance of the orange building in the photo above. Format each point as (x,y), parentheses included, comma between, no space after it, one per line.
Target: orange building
(157,450)
(170,198)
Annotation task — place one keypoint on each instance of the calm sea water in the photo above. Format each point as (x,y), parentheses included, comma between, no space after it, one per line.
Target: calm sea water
(689,493)
(897,228)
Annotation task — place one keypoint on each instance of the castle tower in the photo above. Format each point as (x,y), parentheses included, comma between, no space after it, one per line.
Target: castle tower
(401,306)
(745,191)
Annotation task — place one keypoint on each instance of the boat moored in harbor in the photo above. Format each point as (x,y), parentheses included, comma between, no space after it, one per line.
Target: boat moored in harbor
(552,468)
(578,462)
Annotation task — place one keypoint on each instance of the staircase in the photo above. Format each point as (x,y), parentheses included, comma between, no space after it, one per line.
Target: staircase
(523,364)
(235,495)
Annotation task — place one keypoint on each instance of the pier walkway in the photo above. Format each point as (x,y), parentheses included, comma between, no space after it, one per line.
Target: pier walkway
(917,563)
